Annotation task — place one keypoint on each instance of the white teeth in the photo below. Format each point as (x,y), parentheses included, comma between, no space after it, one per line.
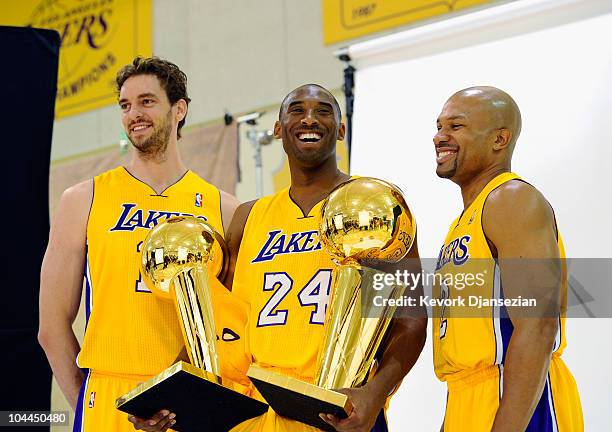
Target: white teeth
(442,155)
(310,135)
(141,127)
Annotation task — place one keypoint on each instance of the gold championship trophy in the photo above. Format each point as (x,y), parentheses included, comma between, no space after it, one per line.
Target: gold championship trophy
(177,258)
(364,220)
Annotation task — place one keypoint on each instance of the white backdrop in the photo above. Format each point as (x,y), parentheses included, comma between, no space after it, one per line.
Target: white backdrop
(555,59)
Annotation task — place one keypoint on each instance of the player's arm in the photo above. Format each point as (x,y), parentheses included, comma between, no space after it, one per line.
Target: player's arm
(229,204)
(61,283)
(402,348)
(233,238)
(519,223)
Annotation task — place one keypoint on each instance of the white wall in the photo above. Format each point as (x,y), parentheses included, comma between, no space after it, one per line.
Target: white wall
(559,73)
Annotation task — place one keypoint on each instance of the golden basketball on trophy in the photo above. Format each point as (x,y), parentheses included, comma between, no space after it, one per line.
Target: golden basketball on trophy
(363,221)
(178,258)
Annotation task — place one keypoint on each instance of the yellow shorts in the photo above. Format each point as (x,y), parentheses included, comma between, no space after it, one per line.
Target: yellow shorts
(96,405)
(272,422)
(474,399)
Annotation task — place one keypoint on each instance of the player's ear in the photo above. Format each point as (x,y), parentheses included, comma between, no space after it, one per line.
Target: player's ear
(341,132)
(181,109)
(277,130)
(502,139)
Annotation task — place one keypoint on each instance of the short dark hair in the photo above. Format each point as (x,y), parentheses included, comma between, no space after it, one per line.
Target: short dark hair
(171,78)
(336,105)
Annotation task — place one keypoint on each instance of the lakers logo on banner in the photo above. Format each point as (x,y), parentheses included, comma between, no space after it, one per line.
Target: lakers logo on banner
(97,38)
(347,19)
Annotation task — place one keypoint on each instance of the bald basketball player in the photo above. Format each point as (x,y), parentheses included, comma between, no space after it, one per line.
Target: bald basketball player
(503,368)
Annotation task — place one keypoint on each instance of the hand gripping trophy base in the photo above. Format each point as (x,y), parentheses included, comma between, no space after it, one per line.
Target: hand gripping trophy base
(195,396)
(299,400)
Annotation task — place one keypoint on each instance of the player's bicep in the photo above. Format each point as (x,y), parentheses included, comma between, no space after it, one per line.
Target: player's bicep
(233,238)
(520,223)
(522,228)
(229,205)
(64,260)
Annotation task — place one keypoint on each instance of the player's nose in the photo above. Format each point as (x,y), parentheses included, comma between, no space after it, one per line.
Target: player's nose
(309,118)
(440,137)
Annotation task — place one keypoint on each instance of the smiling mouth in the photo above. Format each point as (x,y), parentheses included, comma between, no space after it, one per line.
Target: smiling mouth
(140,128)
(443,156)
(309,137)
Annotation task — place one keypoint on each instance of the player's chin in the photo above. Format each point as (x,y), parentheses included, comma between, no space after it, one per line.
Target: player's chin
(310,157)
(446,173)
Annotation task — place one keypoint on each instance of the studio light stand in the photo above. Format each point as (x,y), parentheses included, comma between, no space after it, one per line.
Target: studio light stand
(258,138)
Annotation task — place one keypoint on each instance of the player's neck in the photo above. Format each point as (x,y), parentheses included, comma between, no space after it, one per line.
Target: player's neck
(158,172)
(311,185)
(472,187)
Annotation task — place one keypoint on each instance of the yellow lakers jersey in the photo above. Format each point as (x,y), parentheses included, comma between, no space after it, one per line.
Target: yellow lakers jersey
(467,337)
(128,329)
(285,276)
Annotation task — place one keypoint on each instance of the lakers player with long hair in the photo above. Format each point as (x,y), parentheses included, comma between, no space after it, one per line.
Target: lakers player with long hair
(279,268)
(96,235)
(502,364)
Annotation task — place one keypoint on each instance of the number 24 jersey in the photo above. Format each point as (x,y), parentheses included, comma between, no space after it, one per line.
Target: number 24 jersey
(285,276)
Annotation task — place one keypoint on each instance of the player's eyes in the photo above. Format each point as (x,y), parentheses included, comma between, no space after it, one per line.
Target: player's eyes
(124,106)
(456,126)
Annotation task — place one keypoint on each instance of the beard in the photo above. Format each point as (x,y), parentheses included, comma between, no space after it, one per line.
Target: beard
(154,147)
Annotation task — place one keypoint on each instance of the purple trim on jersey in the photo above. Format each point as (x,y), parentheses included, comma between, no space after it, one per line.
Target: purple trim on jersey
(506,331)
(381,423)
(500,381)
(88,288)
(79,415)
(505,325)
(544,419)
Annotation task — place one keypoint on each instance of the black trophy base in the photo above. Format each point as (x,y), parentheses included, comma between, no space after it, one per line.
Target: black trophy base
(195,397)
(298,400)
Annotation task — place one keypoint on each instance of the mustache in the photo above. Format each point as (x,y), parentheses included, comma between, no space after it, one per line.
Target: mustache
(141,120)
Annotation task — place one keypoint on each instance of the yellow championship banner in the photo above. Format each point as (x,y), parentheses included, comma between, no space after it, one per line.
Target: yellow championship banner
(347,19)
(97,38)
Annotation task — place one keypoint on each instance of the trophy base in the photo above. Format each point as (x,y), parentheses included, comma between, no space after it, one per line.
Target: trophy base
(194,396)
(298,400)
